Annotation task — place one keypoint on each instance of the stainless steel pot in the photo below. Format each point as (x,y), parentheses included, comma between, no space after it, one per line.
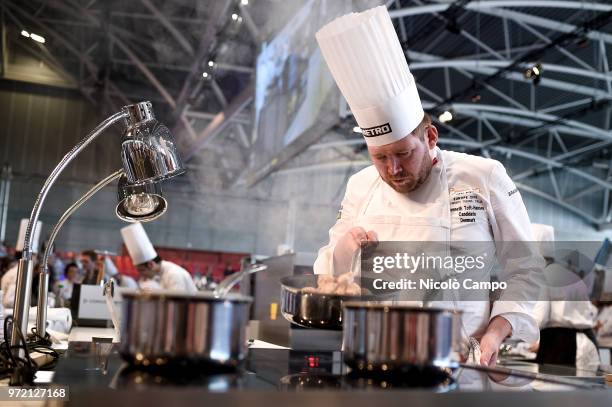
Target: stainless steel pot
(316,310)
(169,328)
(382,338)
(164,328)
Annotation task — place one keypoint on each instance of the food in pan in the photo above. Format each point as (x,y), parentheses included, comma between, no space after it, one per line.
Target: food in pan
(343,284)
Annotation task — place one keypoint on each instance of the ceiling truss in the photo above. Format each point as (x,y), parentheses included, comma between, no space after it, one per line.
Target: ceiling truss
(554,138)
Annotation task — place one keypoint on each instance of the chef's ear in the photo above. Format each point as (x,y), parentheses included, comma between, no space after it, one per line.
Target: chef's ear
(431,136)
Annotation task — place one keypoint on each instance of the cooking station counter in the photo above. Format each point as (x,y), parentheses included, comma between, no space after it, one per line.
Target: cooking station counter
(280,375)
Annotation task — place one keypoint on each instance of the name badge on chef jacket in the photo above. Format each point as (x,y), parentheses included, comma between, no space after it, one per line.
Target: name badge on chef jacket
(465,204)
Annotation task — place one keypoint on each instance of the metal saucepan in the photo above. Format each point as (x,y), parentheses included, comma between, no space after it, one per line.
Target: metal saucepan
(316,310)
(383,338)
(161,328)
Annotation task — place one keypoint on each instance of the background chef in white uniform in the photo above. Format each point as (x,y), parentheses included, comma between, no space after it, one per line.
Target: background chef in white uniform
(408,194)
(565,314)
(122,280)
(8,284)
(150,265)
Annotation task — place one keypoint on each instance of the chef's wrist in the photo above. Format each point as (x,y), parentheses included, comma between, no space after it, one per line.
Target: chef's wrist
(341,260)
(499,327)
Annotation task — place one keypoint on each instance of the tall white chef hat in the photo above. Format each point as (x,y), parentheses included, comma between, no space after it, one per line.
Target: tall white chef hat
(35,238)
(138,244)
(366,60)
(544,235)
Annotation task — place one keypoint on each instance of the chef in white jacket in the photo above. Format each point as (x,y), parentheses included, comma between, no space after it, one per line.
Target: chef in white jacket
(110,271)
(8,284)
(415,191)
(171,276)
(565,314)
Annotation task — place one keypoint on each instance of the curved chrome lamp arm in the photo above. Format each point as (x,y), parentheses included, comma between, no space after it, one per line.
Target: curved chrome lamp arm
(43,276)
(230,281)
(149,155)
(26,265)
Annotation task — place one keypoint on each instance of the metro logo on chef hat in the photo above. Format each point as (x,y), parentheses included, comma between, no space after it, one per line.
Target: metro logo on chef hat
(35,238)
(138,244)
(367,62)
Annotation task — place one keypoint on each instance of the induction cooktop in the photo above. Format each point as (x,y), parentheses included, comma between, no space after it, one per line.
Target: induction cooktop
(290,370)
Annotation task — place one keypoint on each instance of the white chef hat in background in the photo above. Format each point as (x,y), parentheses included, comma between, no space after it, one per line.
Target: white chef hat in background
(138,244)
(368,64)
(544,236)
(35,238)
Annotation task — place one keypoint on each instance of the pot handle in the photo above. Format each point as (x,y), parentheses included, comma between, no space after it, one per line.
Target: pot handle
(109,292)
(230,281)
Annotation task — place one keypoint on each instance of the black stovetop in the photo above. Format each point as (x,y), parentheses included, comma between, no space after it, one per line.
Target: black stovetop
(288,370)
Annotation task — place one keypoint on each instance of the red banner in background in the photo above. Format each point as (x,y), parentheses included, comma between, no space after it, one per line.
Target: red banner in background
(211,263)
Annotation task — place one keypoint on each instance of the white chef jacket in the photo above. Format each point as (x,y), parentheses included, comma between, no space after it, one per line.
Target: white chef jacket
(503,219)
(174,277)
(568,307)
(9,287)
(565,314)
(149,284)
(128,282)
(605,318)
(122,280)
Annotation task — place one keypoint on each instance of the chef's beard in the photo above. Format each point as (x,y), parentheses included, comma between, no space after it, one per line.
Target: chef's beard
(410,182)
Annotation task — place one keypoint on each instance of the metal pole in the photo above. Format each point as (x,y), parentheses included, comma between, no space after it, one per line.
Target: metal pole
(43,276)
(4,198)
(2,220)
(26,263)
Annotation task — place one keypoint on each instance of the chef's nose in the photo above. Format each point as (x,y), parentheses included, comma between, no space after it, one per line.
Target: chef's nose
(394,166)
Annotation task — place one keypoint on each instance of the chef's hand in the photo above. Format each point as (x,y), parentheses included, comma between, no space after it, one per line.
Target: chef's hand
(499,328)
(348,244)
